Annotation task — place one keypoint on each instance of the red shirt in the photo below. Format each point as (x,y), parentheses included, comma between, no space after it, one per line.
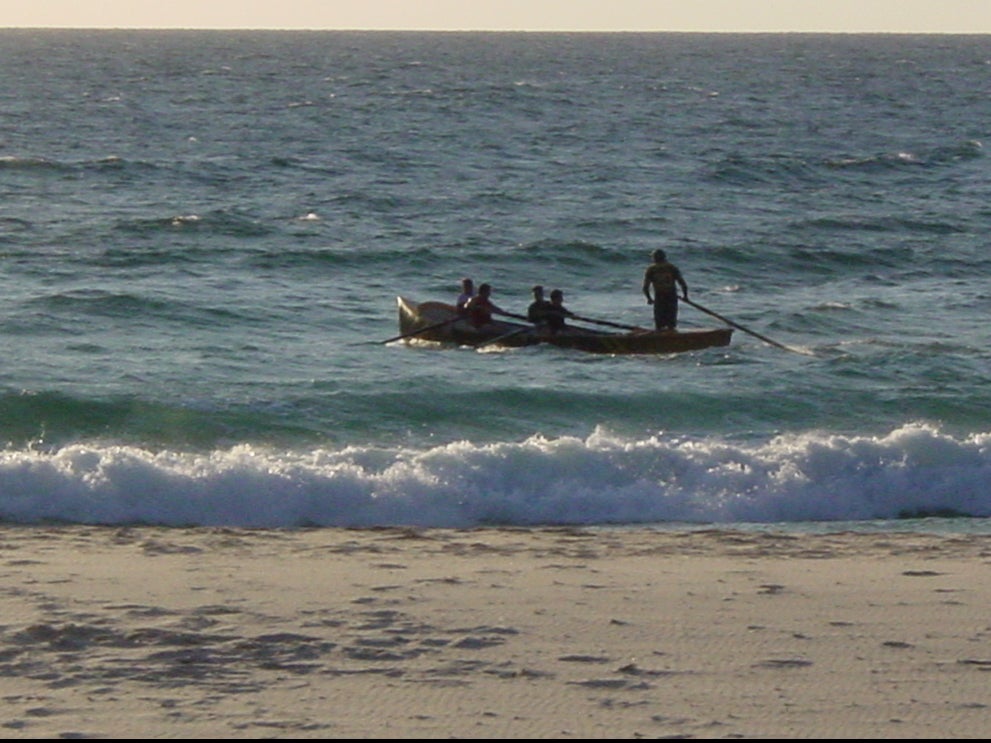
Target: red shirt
(480,310)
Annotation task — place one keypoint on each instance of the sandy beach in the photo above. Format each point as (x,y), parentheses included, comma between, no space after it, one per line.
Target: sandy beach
(492,633)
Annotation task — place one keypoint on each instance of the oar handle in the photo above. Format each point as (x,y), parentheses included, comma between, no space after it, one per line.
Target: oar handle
(606,322)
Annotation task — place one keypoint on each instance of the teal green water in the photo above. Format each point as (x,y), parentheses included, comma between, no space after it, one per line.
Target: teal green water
(203,234)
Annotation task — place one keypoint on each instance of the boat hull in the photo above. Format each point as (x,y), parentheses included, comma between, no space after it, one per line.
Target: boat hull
(439,323)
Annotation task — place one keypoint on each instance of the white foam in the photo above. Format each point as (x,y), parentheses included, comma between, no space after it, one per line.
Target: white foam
(601,479)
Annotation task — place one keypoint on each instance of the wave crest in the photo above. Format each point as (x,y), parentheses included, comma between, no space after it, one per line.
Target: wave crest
(602,479)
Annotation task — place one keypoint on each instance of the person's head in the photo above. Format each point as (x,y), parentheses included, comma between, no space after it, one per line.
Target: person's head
(658,255)
(484,289)
(538,292)
(467,285)
(557,296)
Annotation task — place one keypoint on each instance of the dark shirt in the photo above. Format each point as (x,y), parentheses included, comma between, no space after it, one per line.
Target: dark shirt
(537,311)
(555,316)
(664,277)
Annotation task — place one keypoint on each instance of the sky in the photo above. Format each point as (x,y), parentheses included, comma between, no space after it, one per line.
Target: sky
(890,16)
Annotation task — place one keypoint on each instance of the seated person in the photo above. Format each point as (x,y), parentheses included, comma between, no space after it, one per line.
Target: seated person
(537,311)
(467,292)
(556,312)
(480,308)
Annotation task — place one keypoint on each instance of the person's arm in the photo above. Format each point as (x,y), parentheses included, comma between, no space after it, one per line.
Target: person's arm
(646,286)
(681,282)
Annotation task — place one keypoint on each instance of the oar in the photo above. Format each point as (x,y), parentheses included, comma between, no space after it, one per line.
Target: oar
(504,336)
(421,330)
(726,320)
(518,317)
(606,322)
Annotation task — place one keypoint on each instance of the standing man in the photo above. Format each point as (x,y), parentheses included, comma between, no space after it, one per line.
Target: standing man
(664,278)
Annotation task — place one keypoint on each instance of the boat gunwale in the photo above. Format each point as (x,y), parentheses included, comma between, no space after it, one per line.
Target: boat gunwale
(412,319)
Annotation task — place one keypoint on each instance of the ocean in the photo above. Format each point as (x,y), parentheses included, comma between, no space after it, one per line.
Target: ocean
(203,235)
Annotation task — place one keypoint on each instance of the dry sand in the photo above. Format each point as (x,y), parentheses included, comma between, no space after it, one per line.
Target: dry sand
(492,633)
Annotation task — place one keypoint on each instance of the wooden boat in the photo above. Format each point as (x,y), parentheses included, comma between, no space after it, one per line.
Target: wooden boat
(438,322)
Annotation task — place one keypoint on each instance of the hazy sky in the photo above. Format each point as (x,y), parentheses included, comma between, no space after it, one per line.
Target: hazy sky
(950,16)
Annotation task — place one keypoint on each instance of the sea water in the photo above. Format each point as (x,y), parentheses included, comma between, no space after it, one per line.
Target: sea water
(203,235)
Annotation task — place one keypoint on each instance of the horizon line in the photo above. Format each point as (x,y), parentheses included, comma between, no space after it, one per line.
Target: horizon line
(502,30)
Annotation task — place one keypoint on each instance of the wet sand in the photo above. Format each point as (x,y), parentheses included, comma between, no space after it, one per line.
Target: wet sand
(492,633)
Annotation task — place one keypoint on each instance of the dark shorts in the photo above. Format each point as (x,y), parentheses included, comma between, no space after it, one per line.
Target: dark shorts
(666,311)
